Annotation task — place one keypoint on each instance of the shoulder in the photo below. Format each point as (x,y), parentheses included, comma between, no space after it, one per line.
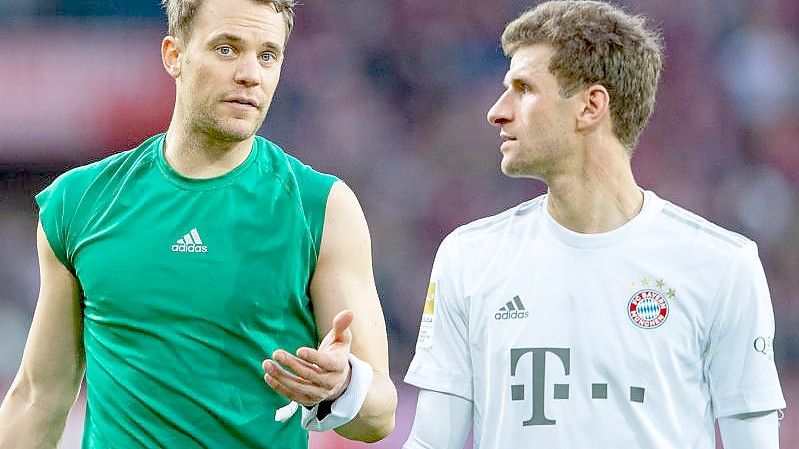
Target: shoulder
(342,197)
(319,197)
(77,180)
(699,232)
(308,185)
(86,173)
(285,165)
(499,225)
(344,235)
(482,238)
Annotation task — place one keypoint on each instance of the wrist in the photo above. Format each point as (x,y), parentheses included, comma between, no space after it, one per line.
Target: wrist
(338,391)
(346,406)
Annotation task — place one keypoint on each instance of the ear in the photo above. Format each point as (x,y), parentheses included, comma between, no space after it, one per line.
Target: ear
(595,106)
(171,55)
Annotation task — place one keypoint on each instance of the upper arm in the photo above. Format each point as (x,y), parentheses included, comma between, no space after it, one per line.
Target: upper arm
(343,278)
(750,431)
(442,361)
(739,360)
(53,361)
(442,421)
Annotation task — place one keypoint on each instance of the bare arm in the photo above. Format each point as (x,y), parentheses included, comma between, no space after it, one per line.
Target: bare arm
(34,411)
(343,280)
(750,431)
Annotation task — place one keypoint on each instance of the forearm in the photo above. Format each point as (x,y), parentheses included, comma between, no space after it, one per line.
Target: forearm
(31,422)
(750,431)
(375,420)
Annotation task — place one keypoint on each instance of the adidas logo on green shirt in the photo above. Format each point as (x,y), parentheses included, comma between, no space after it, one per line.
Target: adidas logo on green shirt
(190,243)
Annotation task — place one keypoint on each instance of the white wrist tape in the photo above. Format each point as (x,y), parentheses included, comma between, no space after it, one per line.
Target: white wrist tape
(284,413)
(346,406)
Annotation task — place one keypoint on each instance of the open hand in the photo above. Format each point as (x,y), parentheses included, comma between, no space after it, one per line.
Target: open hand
(314,375)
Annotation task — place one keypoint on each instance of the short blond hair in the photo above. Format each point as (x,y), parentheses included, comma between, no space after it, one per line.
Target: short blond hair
(180,14)
(597,43)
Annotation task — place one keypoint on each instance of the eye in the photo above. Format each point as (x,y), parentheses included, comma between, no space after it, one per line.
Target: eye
(522,87)
(268,57)
(224,50)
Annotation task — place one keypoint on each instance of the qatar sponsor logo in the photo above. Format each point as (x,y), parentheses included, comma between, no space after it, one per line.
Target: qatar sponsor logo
(764,346)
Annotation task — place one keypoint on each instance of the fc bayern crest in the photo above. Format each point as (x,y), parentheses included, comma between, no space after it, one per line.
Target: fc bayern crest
(648,308)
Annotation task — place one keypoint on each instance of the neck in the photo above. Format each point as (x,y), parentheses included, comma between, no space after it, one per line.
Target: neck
(199,155)
(600,194)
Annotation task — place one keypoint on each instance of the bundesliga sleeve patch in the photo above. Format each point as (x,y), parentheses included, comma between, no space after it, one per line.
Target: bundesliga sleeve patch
(428,316)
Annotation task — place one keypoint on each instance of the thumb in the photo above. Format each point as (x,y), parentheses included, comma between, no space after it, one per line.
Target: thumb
(341,324)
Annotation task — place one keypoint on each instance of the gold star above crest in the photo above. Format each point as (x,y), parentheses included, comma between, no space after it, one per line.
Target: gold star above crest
(656,283)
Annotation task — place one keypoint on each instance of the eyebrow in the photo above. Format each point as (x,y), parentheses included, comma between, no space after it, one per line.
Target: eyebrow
(507,82)
(230,37)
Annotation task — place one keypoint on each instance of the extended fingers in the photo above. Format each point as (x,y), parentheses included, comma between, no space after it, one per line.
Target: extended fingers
(298,366)
(327,360)
(291,386)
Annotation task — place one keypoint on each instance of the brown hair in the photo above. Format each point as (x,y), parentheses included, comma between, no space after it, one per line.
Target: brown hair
(180,14)
(597,43)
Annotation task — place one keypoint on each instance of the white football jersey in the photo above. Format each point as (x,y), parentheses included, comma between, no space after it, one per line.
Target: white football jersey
(635,338)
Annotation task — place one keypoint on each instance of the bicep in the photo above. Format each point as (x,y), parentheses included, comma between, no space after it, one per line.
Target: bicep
(442,421)
(750,431)
(343,278)
(53,356)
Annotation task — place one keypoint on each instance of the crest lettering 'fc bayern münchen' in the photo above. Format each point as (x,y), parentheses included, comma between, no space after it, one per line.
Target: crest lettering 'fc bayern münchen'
(648,308)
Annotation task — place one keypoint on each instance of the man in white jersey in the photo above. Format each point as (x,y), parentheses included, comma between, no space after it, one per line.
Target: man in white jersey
(597,315)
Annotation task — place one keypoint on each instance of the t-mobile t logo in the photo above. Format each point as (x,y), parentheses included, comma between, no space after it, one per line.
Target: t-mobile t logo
(599,391)
(539,375)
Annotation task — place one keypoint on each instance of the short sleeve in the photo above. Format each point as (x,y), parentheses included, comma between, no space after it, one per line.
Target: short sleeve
(52,215)
(442,362)
(740,358)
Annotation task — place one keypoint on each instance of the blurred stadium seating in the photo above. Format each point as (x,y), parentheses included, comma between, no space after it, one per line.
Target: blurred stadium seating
(391,96)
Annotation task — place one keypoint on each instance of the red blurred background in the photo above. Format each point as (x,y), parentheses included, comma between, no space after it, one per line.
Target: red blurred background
(391,96)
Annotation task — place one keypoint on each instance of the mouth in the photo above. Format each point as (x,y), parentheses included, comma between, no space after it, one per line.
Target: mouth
(506,140)
(506,137)
(242,102)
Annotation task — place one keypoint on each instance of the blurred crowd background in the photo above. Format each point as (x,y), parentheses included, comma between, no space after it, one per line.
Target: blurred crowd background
(391,96)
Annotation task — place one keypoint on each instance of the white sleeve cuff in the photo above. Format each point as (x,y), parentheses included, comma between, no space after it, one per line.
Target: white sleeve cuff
(346,406)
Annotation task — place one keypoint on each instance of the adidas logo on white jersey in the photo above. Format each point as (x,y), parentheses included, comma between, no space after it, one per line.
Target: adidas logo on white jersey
(190,243)
(512,310)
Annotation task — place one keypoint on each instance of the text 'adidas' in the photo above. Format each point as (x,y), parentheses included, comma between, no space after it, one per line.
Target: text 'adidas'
(190,243)
(512,310)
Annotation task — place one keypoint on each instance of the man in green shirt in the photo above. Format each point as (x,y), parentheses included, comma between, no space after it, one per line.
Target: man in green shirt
(205,282)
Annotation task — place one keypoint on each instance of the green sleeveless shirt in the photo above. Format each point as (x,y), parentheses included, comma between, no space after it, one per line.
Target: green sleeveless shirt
(188,285)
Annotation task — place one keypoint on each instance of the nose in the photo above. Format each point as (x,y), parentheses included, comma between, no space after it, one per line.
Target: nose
(247,71)
(501,112)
